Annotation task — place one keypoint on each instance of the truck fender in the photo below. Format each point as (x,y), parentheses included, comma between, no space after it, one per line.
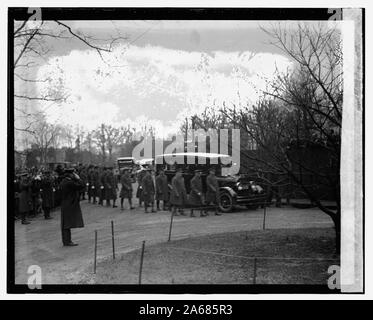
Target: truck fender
(230,190)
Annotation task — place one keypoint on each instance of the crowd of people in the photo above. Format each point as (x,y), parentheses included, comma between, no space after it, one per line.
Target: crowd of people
(38,191)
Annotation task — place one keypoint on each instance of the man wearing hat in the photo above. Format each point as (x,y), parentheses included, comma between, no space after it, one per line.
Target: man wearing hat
(161,187)
(148,190)
(71,213)
(178,193)
(212,194)
(110,186)
(196,196)
(126,190)
(47,185)
(95,187)
(89,183)
(101,190)
(25,201)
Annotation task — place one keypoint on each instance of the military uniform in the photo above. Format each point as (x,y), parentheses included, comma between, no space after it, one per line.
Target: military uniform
(89,183)
(25,201)
(148,191)
(161,187)
(140,175)
(47,186)
(102,190)
(126,189)
(212,193)
(110,187)
(84,178)
(96,185)
(178,196)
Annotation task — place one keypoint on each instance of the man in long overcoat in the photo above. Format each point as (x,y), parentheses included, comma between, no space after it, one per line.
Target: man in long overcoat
(101,190)
(71,213)
(196,195)
(89,183)
(126,190)
(178,193)
(25,201)
(212,193)
(148,190)
(110,186)
(47,185)
(83,176)
(95,188)
(161,189)
(140,175)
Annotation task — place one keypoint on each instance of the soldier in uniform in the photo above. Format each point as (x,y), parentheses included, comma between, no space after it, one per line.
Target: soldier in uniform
(35,194)
(47,185)
(140,175)
(148,190)
(161,187)
(71,213)
(89,183)
(101,190)
(196,195)
(24,197)
(95,188)
(110,186)
(83,176)
(126,190)
(178,193)
(212,194)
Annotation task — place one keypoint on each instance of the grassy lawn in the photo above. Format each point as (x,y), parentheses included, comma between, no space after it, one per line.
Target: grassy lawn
(227,259)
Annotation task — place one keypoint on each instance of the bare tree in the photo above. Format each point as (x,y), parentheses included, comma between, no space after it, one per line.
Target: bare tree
(99,138)
(302,110)
(44,136)
(31,48)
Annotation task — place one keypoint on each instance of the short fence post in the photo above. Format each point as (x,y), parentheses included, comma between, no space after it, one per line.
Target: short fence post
(169,233)
(264,217)
(141,260)
(95,253)
(112,238)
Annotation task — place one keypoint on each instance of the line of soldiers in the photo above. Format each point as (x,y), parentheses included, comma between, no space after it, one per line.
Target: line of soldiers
(40,191)
(101,184)
(156,188)
(153,190)
(35,192)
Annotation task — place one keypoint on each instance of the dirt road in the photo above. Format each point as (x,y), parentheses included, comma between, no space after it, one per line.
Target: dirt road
(40,242)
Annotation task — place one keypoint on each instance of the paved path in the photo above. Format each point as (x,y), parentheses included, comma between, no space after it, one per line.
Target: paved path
(40,242)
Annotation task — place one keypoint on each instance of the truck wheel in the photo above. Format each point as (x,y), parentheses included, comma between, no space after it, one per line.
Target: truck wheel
(225,202)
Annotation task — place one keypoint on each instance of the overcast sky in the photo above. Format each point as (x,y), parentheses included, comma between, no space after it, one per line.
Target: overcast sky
(166,70)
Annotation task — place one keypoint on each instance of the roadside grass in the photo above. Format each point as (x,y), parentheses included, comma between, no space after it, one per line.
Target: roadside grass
(227,258)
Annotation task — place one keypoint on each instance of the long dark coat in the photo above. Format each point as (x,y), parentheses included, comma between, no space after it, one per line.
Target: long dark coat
(212,196)
(102,190)
(46,186)
(195,196)
(126,190)
(71,213)
(161,187)
(110,186)
(178,193)
(25,197)
(148,188)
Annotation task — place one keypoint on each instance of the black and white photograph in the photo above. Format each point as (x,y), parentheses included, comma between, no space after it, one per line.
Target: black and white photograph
(185,150)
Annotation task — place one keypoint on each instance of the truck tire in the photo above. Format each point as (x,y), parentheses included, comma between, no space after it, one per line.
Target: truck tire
(226,203)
